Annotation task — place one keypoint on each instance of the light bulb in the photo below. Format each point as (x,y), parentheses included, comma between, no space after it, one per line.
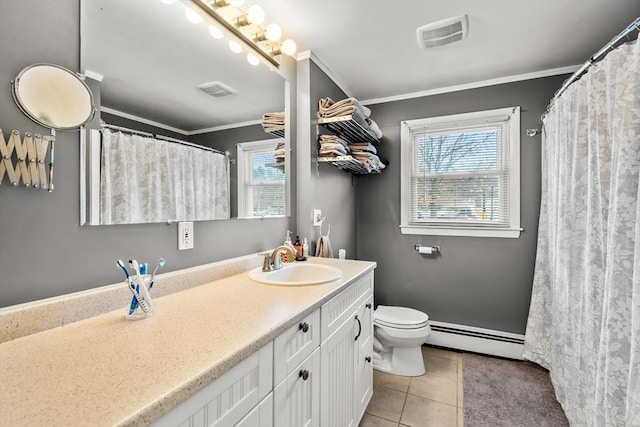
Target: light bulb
(288,47)
(235,46)
(252,59)
(236,3)
(215,32)
(273,32)
(255,15)
(167,1)
(193,16)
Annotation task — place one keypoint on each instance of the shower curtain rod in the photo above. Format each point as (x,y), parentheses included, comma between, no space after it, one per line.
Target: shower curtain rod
(165,138)
(634,26)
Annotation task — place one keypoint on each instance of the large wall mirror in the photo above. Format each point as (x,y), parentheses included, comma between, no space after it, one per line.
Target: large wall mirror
(145,62)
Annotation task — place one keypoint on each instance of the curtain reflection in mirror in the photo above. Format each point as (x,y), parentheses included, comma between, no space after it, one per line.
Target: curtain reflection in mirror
(145,180)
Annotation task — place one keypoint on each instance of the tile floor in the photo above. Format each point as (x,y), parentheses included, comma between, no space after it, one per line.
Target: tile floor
(434,399)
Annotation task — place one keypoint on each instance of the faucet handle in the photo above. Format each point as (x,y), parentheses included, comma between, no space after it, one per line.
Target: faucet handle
(266,262)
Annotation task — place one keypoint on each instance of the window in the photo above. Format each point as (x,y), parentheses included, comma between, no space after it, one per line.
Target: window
(260,180)
(461,174)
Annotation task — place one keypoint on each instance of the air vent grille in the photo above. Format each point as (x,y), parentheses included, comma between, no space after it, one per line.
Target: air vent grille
(217,89)
(443,32)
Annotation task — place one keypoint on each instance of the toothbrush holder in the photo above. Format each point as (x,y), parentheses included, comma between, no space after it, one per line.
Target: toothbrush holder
(134,311)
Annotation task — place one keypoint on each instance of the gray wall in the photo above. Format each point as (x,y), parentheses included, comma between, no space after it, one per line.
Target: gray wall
(321,186)
(481,282)
(43,250)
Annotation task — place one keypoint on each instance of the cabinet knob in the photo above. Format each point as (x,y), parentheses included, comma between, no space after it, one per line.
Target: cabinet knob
(368,306)
(304,327)
(367,359)
(304,374)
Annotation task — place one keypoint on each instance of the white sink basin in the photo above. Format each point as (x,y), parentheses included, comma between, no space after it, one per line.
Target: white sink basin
(297,274)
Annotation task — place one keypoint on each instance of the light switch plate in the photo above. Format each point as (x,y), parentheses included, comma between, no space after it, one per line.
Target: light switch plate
(185,235)
(317,215)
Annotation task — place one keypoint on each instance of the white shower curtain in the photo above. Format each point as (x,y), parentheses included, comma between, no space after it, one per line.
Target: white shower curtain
(149,180)
(584,320)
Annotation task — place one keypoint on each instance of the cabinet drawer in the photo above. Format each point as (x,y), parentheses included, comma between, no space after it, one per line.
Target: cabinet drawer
(229,398)
(296,400)
(337,310)
(260,416)
(294,345)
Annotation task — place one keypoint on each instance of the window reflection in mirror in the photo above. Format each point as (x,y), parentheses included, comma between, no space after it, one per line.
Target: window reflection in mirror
(261,180)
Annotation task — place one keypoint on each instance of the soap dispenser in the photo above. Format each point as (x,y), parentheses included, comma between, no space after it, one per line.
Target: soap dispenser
(286,256)
(298,247)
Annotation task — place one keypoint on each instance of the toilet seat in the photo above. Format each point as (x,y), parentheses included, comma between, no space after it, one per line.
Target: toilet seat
(400,317)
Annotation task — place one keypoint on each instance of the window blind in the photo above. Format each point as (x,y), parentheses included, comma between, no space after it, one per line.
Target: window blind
(265,186)
(460,174)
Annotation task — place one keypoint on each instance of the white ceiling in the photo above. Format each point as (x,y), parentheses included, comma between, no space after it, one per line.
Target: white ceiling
(148,52)
(372,47)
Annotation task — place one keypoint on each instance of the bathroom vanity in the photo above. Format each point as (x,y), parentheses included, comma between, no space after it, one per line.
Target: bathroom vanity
(229,352)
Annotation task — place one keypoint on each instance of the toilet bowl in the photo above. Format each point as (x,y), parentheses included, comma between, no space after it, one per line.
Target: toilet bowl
(399,333)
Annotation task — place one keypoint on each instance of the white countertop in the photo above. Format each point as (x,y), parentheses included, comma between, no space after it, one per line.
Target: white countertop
(107,370)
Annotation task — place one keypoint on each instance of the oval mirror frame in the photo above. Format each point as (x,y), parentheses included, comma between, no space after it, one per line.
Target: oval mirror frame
(53,96)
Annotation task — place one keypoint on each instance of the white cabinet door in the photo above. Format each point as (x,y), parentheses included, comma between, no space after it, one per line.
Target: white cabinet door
(297,398)
(260,416)
(225,401)
(337,360)
(364,351)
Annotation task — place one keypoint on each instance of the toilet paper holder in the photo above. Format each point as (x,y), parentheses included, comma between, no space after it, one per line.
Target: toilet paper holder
(427,250)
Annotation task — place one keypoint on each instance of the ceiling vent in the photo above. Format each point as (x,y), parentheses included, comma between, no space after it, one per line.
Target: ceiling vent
(217,89)
(443,32)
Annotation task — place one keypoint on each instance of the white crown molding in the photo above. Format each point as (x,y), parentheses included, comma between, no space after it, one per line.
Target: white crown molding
(307,54)
(93,75)
(143,120)
(474,85)
(225,127)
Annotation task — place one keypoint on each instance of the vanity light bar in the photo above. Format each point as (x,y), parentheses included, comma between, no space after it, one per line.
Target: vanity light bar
(208,9)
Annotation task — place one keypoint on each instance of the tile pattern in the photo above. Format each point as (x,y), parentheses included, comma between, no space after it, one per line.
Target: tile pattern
(431,400)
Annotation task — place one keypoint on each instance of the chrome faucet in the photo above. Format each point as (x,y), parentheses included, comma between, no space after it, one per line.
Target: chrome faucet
(272,260)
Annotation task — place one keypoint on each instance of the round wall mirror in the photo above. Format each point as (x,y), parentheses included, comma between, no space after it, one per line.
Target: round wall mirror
(53,96)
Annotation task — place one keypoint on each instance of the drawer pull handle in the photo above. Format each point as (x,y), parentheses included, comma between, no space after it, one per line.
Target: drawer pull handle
(304,374)
(368,306)
(304,327)
(359,329)
(367,359)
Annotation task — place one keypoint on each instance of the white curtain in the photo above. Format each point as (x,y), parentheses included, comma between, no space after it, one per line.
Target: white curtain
(149,180)
(584,320)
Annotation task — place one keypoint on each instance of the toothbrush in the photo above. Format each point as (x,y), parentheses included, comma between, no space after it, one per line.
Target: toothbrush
(145,292)
(120,264)
(134,300)
(136,296)
(161,263)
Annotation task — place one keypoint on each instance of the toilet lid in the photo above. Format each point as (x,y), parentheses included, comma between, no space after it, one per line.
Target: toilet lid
(400,317)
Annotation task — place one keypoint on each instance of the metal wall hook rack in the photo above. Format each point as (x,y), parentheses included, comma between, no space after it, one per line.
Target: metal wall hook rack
(24,160)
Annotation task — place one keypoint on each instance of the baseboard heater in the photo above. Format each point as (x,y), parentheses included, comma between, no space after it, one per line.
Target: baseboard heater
(477,340)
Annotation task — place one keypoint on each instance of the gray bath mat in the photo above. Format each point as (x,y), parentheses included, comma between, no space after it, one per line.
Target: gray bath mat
(499,392)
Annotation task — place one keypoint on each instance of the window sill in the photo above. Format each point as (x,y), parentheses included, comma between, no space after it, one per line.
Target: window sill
(506,233)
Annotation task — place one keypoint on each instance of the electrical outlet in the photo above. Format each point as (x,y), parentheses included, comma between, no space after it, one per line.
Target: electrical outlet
(317,217)
(185,235)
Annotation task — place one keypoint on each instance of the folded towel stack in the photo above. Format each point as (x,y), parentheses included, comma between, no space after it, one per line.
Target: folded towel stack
(332,146)
(272,121)
(349,106)
(367,154)
(280,152)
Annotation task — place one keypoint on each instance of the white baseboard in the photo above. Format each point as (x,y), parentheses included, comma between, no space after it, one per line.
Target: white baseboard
(477,340)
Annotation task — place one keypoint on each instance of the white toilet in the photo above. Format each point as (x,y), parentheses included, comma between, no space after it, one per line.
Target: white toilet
(399,332)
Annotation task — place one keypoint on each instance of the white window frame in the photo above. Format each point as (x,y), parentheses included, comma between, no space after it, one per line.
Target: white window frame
(445,123)
(245,149)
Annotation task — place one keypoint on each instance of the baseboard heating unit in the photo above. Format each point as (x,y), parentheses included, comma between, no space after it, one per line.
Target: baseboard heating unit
(477,340)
